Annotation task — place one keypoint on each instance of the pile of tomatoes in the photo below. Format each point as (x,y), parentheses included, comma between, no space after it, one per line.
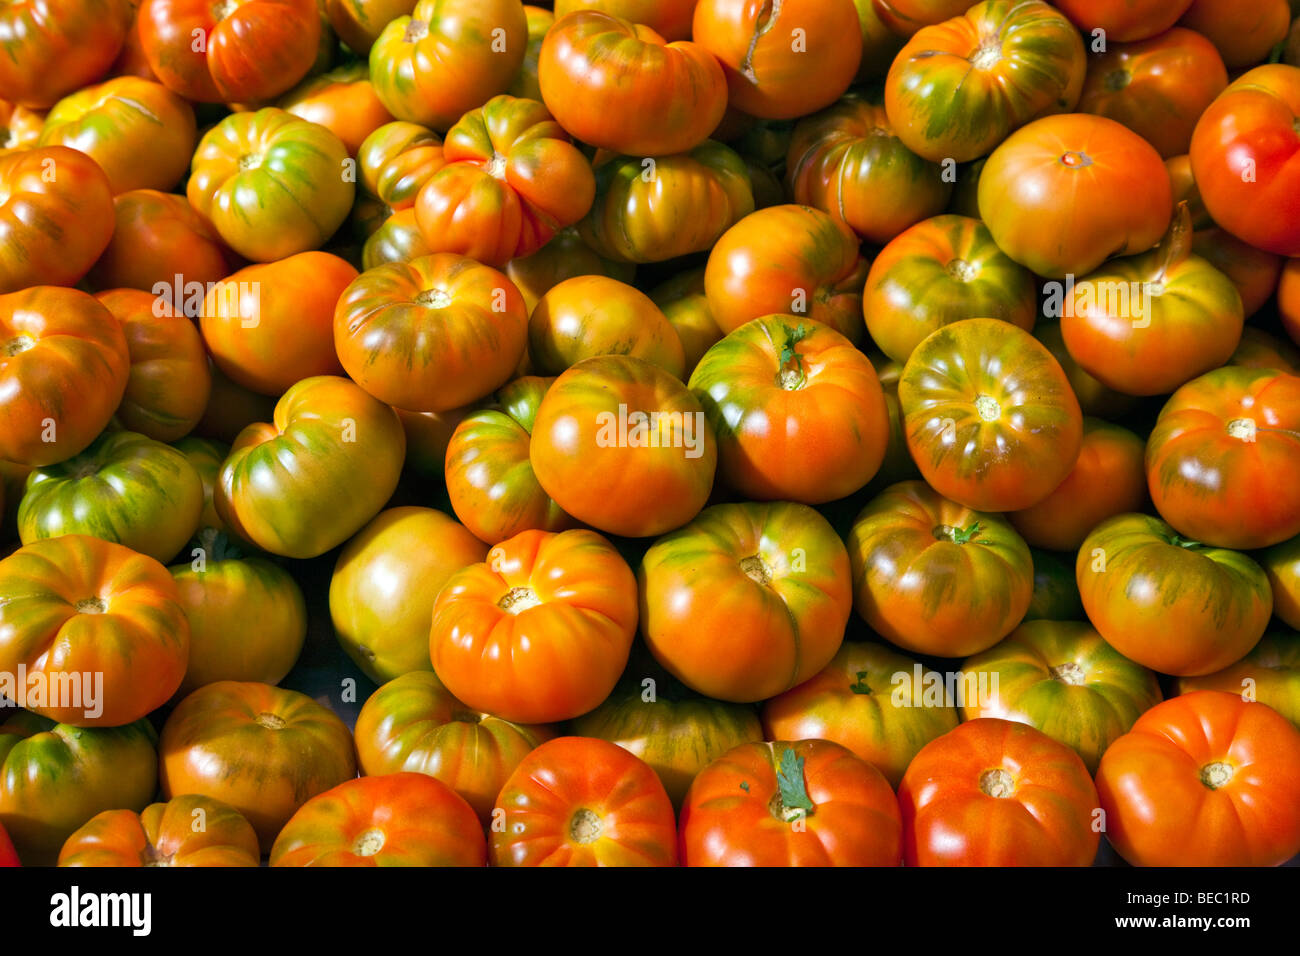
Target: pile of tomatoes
(851,432)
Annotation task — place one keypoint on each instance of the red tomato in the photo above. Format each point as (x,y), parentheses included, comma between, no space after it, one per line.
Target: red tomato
(1204,779)
(1245,33)
(1124,21)
(8,855)
(998,793)
(52,47)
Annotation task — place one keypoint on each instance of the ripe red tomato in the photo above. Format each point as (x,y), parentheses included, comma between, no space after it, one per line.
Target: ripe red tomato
(401,819)
(1207,765)
(998,793)
(52,47)
(577,801)
(189,830)
(802,803)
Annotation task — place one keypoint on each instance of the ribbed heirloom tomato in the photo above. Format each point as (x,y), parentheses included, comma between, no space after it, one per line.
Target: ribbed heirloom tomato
(54,47)
(1269,674)
(343,101)
(671,19)
(188,830)
(577,801)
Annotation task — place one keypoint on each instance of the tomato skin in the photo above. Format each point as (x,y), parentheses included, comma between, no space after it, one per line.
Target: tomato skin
(540,20)
(58,343)
(566,256)
(294,488)
(766,73)
(1094,398)
(384,584)
(671,19)
(402,819)
(1288,299)
(935,577)
(20,127)
(488,474)
(1096,185)
(1282,565)
(427,437)
(8,855)
(54,48)
(360,22)
(55,777)
(1211,763)
(396,160)
(125,488)
(126,624)
(845,702)
(787,260)
(343,101)
(1243,155)
(565,607)
(578,801)
(438,63)
(955,813)
(798,411)
(1124,21)
(1216,454)
(52,229)
(1109,478)
(939,271)
(270,326)
(207,456)
(1253,271)
(262,750)
(1244,34)
(686,306)
(580,460)
(1157,87)
(1171,605)
(619,86)
(905,17)
(291,202)
(169,384)
(284,33)
(1268,674)
(1258,349)
(163,834)
(430,335)
(989,415)
(736,812)
(413,723)
(729,609)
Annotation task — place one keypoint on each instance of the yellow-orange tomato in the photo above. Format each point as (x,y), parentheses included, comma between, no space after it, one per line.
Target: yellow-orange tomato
(189,830)
(343,101)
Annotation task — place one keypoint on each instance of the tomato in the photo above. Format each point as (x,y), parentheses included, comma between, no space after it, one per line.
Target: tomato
(158,237)
(249,50)
(56,216)
(430,335)
(798,411)
(169,385)
(1094,397)
(1253,271)
(8,855)
(512,179)
(998,793)
(1288,299)
(540,21)
(427,437)
(125,488)
(787,259)
(958,88)
(782,60)
(77,607)
(272,184)
(1244,153)
(564,257)
(1282,565)
(1245,34)
(868,700)
(384,584)
(262,750)
(343,101)
(397,159)
(360,22)
(397,239)
(1056,593)
(54,778)
(1124,21)
(403,819)
(905,17)
(616,432)
(309,481)
(413,723)
(587,316)
(652,210)
(540,631)
(1062,678)
(56,46)
(1217,454)
(1109,478)
(269,326)
(489,478)
(685,305)
(934,576)
(1170,604)
(990,417)
(621,87)
(20,127)
(898,464)
(207,456)
(1064,193)
(1269,674)
(1209,764)
(1157,87)
(671,19)
(57,344)
(186,831)
(247,616)
(577,801)
(747,600)
(447,57)
(1260,350)
(940,271)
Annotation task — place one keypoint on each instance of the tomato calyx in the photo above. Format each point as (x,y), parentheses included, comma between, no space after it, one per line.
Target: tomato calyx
(998,783)
(270,721)
(1217,774)
(988,408)
(368,842)
(757,570)
(791,373)
(416,30)
(1075,159)
(250,161)
(496,166)
(988,54)
(946,532)
(1069,673)
(518,600)
(433,298)
(152,856)
(19,344)
(962,270)
(1242,429)
(791,801)
(223,8)
(860,686)
(91,605)
(584,826)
